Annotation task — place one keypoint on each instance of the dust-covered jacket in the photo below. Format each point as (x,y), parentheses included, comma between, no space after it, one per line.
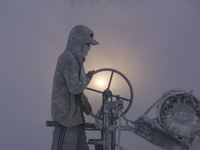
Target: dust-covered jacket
(67,82)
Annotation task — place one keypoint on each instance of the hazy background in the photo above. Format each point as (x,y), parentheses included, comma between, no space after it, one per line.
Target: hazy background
(155,43)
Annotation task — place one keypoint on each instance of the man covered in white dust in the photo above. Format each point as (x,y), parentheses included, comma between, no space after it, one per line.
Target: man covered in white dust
(68,99)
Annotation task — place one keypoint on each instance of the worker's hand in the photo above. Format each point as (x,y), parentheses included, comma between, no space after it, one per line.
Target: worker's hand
(87,108)
(90,74)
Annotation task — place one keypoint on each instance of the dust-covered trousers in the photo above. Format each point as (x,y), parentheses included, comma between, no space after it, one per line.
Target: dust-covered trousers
(69,138)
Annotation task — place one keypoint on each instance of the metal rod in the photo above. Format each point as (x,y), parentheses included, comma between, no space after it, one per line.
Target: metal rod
(110,80)
(94,90)
(126,99)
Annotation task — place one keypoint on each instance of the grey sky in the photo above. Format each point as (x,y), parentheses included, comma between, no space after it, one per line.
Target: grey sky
(155,43)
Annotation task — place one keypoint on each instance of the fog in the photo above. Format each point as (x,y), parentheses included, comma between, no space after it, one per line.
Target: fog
(155,44)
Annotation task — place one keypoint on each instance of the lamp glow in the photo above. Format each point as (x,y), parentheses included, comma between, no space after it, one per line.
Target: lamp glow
(100,82)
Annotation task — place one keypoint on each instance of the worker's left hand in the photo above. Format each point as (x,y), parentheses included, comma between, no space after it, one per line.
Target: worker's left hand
(90,74)
(87,108)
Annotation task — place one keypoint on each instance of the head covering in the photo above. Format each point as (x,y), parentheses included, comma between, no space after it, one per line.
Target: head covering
(84,33)
(78,37)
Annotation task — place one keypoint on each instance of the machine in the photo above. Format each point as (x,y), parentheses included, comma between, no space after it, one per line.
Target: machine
(176,126)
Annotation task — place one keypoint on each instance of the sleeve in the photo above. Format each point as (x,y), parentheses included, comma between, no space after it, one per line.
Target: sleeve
(87,80)
(71,74)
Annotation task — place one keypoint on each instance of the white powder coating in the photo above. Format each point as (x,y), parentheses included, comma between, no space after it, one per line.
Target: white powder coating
(179,113)
(70,78)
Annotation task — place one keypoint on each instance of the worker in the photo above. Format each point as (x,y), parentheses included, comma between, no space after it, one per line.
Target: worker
(68,100)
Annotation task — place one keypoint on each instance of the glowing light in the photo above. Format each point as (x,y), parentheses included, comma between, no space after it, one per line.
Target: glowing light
(100,82)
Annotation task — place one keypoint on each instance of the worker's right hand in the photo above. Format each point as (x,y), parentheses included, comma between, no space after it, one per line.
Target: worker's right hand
(87,108)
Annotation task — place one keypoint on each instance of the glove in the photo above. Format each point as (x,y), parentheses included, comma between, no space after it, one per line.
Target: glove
(90,74)
(87,108)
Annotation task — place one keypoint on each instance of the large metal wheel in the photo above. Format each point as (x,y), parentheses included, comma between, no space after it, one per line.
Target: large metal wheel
(109,95)
(179,114)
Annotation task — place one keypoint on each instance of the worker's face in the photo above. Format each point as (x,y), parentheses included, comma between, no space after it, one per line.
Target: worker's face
(86,49)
